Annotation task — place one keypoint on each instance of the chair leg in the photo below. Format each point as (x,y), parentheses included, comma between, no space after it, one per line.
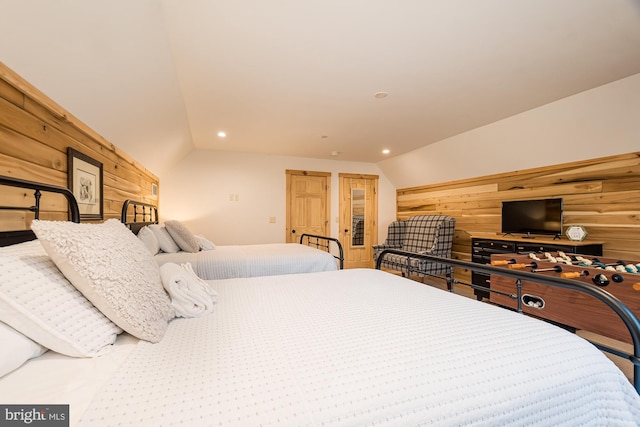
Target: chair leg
(449,279)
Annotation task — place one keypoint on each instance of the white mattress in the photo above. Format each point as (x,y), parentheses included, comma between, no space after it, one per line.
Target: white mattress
(53,378)
(227,262)
(362,347)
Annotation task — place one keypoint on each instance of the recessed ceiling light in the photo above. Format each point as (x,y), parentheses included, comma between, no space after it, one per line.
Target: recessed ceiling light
(386,151)
(222,134)
(380,95)
(335,153)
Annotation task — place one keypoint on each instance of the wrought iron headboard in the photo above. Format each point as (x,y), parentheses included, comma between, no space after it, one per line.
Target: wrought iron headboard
(19,236)
(142,214)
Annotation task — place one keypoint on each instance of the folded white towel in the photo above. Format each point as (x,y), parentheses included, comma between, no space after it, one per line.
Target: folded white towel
(203,283)
(190,295)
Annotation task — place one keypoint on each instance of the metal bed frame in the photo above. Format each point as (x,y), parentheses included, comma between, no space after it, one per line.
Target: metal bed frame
(148,214)
(324,243)
(19,236)
(622,311)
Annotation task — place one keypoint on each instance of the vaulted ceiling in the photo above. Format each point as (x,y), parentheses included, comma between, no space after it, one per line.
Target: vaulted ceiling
(333,79)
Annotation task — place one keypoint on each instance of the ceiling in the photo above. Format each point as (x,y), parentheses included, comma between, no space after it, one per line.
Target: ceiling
(289,77)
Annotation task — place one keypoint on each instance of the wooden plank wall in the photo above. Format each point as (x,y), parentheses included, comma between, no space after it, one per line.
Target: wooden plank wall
(603,195)
(35,133)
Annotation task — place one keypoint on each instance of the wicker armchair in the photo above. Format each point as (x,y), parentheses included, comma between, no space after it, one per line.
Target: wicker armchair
(426,234)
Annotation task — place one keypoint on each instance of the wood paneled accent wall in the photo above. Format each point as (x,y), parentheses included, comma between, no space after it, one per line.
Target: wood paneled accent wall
(603,195)
(35,133)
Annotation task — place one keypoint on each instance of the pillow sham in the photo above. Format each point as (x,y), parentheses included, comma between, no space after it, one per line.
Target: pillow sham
(182,236)
(149,239)
(16,349)
(205,244)
(37,301)
(164,239)
(114,270)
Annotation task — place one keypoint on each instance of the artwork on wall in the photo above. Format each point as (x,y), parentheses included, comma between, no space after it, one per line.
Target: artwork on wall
(85,182)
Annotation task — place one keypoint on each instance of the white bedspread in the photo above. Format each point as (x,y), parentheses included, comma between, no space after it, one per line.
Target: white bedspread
(227,262)
(362,347)
(57,379)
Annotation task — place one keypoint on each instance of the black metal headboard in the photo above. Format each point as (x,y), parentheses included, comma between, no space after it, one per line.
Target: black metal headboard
(136,215)
(19,236)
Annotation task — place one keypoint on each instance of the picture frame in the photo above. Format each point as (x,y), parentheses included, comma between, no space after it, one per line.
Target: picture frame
(85,180)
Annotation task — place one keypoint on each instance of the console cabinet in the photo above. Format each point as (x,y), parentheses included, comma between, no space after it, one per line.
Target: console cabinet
(482,247)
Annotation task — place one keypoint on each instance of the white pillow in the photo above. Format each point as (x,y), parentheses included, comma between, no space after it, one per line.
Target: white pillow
(149,239)
(182,236)
(205,244)
(37,300)
(114,270)
(16,349)
(164,238)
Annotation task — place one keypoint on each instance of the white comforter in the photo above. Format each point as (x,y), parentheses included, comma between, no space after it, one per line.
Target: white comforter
(227,262)
(362,347)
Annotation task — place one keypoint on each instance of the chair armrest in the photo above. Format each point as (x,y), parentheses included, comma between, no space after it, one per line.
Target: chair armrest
(383,247)
(377,249)
(437,250)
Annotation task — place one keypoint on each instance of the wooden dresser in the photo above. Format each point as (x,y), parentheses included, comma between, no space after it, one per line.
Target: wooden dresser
(483,246)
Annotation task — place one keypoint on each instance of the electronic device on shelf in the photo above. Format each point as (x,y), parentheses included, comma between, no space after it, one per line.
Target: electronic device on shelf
(527,217)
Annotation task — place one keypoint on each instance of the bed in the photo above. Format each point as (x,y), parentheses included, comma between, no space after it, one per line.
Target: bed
(312,253)
(343,347)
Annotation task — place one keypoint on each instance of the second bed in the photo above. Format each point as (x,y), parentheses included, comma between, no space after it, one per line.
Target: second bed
(311,254)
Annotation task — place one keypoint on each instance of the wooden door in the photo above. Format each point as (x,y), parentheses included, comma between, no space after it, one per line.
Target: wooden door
(358,219)
(307,204)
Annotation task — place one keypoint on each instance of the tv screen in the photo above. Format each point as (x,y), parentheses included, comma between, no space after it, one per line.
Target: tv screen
(532,216)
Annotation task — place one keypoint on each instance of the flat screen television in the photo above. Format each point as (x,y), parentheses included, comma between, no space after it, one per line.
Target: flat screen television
(528,217)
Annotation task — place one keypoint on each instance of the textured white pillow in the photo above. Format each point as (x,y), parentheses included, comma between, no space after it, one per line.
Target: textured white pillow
(182,236)
(164,238)
(37,300)
(149,239)
(16,349)
(114,270)
(205,244)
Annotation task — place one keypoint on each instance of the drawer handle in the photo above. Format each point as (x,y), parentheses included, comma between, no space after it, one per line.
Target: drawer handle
(533,301)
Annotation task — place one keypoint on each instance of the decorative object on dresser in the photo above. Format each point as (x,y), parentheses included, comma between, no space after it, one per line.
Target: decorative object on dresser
(576,233)
(84,176)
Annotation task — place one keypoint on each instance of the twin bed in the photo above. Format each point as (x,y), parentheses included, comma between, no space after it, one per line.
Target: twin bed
(332,348)
(311,254)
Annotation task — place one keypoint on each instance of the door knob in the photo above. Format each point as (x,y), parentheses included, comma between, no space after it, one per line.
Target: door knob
(293,231)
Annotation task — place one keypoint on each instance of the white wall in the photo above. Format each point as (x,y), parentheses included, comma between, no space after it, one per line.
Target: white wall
(197,191)
(597,123)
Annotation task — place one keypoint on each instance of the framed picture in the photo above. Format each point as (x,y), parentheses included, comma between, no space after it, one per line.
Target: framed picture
(85,182)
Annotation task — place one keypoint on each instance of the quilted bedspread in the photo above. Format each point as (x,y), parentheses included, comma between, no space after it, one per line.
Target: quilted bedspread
(362,348)
(226,262)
